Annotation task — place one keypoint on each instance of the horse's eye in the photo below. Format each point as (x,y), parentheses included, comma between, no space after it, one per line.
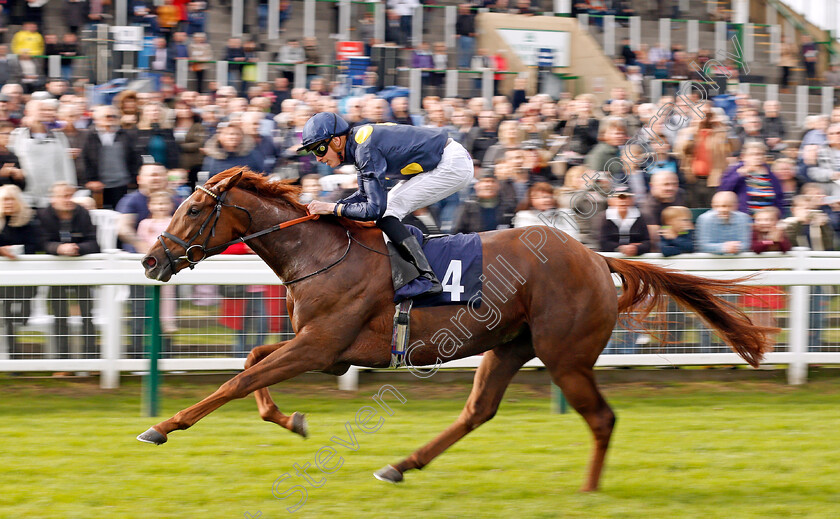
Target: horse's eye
(193,211)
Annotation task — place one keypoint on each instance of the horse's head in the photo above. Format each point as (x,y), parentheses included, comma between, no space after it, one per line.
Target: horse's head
(202,226)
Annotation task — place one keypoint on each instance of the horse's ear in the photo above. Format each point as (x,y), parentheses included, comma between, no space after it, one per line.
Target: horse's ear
(228,183)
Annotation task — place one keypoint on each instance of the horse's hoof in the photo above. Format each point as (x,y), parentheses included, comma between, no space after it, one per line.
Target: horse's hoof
(388,473)
(299,424)
(152,436)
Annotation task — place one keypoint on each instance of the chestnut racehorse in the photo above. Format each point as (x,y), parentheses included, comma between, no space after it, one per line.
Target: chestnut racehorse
(560,306)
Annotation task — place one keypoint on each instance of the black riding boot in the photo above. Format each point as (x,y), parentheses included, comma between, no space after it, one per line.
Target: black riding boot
(410,250)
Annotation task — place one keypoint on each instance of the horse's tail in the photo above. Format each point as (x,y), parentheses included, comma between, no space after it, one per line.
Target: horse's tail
(644,287)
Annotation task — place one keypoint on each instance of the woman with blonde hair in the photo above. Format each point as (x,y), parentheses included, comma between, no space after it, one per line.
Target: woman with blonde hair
(17,223)
(18,227)
(509,138)
(753,181)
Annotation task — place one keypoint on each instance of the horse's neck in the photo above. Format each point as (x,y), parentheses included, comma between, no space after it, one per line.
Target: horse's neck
(298,250)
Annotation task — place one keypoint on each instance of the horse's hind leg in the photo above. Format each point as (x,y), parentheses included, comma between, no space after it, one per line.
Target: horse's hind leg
(268,409)
(495,372)
(578,385)
(571,369)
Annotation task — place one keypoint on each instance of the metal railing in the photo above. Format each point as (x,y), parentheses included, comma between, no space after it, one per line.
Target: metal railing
(208,330)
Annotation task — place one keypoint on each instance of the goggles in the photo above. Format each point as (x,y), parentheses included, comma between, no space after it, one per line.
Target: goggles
(321,148)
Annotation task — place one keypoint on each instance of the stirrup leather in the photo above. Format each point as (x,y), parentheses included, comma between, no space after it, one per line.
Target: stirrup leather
(400,337)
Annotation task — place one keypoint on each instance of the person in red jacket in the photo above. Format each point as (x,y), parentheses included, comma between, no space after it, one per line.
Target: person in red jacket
(500,64)
(243,309)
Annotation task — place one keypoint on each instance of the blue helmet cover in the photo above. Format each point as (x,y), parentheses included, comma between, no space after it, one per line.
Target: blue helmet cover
(320,127)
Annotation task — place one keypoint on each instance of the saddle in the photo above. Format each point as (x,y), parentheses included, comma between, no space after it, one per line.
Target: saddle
(456,260)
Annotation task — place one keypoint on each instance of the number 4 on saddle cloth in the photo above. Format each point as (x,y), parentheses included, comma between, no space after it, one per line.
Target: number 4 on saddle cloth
(456,261)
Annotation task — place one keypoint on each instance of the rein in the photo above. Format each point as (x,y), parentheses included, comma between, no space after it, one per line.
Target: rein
(204,252)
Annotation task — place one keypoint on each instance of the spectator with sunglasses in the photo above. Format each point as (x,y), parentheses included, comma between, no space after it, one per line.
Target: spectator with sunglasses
(428,164)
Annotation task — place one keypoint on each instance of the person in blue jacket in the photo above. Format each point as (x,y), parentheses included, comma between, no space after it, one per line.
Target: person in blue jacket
(428,164)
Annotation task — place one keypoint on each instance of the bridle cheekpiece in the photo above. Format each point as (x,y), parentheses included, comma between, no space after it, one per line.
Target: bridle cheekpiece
(194,252)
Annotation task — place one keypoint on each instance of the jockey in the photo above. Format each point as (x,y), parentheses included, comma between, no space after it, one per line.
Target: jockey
(430,167)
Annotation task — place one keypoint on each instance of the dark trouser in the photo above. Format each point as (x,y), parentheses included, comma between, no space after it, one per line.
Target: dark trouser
(112,195)
(61,329)
(394,229)
(199,79)
(192,176)
(785,81)
(811,72)
(700,193)
(17,305)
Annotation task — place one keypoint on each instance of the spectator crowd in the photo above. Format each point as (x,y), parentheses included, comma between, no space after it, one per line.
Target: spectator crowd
(734,180)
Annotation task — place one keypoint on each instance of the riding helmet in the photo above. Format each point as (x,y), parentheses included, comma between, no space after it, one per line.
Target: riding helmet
(320,127)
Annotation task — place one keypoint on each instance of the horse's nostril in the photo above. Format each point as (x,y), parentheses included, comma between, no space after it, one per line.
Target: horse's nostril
(150,262)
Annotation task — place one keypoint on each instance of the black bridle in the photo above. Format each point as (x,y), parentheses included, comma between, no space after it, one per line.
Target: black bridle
(203,252)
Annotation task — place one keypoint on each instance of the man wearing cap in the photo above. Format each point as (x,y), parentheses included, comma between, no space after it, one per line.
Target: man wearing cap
(427,163)
(624,229)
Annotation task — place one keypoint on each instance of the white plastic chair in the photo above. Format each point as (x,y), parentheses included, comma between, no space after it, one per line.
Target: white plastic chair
(106,222)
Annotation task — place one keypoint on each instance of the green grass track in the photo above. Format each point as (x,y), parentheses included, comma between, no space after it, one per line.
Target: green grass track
(745,449)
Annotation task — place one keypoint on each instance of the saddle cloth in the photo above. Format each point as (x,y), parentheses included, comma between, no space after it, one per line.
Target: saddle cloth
(457,262)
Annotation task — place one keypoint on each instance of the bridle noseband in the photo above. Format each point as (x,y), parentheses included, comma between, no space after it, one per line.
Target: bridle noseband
(204,252)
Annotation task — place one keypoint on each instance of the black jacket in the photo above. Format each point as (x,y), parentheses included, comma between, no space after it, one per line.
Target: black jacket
(82,231)
(465,25)
(7,157)
(774,127)
(584,136)
(28,235)
(480,142)
(90,156)
(142,138)
(612,236)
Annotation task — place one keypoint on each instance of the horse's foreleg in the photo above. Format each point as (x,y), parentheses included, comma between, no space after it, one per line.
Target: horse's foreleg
(298,356)
(268,409)
(495,372)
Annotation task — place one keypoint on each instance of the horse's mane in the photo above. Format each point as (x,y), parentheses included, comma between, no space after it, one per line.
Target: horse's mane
(269,188)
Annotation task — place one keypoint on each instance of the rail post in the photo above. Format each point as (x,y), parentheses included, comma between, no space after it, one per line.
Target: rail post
(559,405)
(151,385)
